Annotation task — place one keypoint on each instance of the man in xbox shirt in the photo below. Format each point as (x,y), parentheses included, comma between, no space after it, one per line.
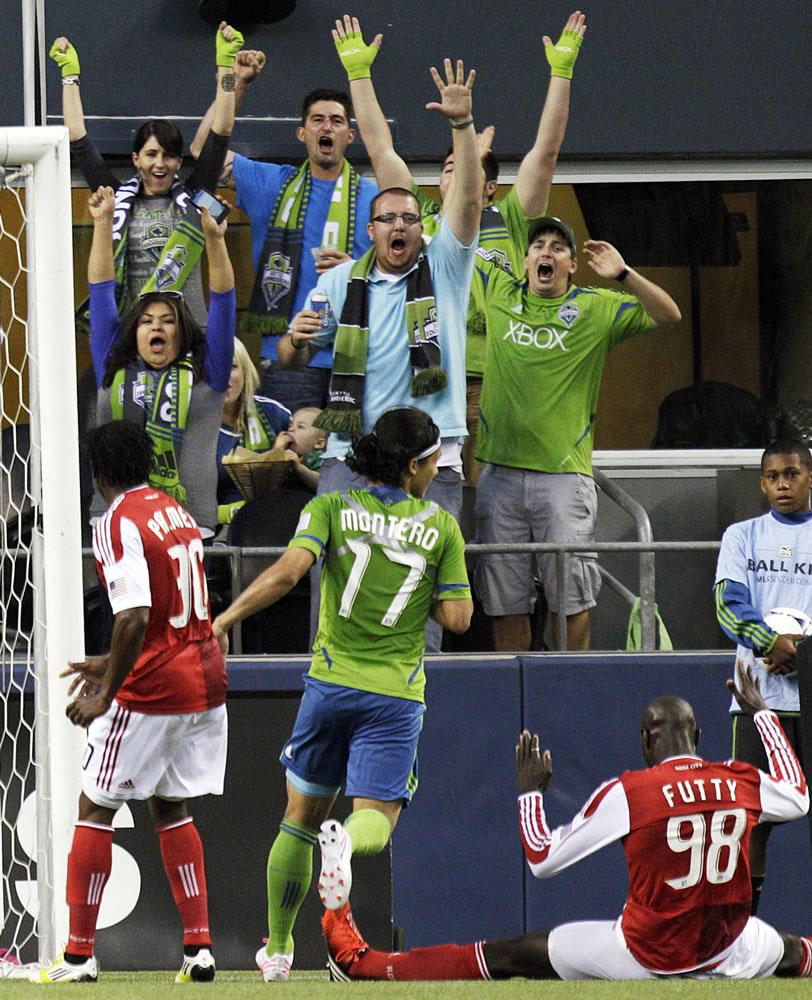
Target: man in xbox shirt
(505,223)
(547,344)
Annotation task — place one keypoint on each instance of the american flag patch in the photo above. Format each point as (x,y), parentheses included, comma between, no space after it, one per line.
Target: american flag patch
(119,586)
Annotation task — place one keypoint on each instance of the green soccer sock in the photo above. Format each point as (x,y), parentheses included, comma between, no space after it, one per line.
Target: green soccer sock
(290,870)
(370,831)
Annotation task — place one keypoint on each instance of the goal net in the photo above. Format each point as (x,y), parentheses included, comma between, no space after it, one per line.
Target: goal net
(41,617)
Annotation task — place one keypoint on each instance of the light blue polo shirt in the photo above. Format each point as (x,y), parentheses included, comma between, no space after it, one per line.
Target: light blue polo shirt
(388,372)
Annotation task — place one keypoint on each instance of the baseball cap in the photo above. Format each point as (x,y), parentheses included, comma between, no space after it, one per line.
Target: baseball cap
(552,222)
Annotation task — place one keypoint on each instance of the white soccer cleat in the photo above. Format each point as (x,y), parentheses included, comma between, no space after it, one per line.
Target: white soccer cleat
(274,968)
(335,880)
(67,972)
(197,968)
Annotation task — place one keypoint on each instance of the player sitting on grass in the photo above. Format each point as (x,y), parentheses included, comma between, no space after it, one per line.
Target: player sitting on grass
(685,824)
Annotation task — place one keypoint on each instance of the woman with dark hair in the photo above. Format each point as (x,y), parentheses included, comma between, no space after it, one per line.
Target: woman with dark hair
(391,559)
(156,234)
(157,369)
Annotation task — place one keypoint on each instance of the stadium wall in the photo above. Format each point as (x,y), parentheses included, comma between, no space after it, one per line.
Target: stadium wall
(456,870)
(730,78)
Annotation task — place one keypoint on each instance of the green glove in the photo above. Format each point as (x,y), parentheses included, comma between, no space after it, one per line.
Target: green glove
(356,57)
(227,51)
(563,54)
(67,60)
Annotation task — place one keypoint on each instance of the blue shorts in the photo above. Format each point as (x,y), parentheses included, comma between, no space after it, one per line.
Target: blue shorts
(371,739)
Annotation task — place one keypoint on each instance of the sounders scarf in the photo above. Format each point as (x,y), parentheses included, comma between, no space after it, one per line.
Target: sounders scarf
(179,256)
(167,412)
(257,433)
(343,411)
(280,260)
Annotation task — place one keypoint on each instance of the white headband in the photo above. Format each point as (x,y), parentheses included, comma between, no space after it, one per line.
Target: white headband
(430,450)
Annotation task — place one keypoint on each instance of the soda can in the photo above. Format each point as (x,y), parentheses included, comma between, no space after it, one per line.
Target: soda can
(320,305)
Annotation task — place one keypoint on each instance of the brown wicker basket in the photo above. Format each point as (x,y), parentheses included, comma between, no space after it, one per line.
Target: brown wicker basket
(255,473)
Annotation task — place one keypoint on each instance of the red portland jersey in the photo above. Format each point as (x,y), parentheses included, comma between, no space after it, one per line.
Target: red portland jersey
(688,857)
(685,827)
(149,553)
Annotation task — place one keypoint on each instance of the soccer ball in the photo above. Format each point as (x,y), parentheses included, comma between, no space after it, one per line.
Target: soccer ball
(789,621)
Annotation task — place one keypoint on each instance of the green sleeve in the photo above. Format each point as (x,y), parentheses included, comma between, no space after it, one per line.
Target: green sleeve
(452,576)
(518,226)
(313,529)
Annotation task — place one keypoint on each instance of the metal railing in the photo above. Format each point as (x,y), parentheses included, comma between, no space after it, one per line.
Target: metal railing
(646,551)
(644,546)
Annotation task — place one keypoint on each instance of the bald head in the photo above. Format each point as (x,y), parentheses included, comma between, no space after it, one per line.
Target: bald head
(667,728)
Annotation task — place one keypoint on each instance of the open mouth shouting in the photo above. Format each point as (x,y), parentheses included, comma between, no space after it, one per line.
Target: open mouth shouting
(158,336)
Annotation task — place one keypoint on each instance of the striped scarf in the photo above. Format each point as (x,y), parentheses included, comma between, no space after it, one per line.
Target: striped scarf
(163,414)
(346,394)
(280,260)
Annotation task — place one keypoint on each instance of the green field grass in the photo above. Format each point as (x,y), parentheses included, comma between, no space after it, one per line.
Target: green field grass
(316,986)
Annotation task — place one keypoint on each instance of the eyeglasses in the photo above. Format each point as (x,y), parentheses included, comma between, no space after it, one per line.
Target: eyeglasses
(408,218)
(169,294)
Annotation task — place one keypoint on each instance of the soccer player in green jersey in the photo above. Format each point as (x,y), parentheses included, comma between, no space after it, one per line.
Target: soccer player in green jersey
(505,223)
(547,345)
(391,560)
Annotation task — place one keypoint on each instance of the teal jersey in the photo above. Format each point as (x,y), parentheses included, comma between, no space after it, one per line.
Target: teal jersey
(503,234)
(387,555)
(543,371)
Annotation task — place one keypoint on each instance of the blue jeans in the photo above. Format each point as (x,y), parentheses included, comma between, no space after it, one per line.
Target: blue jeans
(295,389)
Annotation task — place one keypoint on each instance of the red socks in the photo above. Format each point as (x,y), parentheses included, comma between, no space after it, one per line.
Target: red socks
(182,853)
(805,971)
(444,961)
(89,864)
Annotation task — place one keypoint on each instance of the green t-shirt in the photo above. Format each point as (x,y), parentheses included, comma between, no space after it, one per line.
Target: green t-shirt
(387,555)
(543,371)
(503,234)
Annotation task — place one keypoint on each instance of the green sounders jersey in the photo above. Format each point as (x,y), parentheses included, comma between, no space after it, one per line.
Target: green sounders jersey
(387,555)
(503,235)
(543,371)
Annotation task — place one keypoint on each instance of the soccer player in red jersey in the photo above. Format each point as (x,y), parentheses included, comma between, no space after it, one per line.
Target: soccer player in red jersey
(685,825)
(154,706)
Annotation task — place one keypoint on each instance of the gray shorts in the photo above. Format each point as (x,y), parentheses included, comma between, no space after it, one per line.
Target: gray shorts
(521,505)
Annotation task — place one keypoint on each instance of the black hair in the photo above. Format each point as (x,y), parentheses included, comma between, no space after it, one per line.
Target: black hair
(327,94)
(373,208)
(167,134)
(788,446)
(120,453)
(489,164)
(398,436)
(125,350)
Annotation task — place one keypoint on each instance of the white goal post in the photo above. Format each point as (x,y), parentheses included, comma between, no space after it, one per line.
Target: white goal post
(39,298)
